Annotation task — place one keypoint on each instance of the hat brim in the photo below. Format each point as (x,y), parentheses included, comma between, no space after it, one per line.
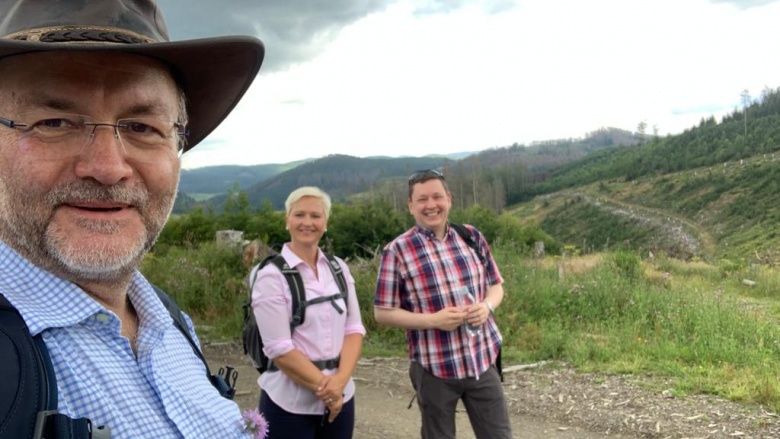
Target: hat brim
(213,72)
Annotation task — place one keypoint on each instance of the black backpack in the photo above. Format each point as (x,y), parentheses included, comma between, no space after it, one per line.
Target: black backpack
(250,334)
(467,236)
(28,400)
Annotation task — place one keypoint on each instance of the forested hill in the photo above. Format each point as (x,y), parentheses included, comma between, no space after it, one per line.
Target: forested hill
(542,156)
(208,181)
(712,191)
(343,176)
(338,175)
(739,135)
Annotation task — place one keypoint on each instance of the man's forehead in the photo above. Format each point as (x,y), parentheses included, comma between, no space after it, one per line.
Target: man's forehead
(62,83)
(430,187)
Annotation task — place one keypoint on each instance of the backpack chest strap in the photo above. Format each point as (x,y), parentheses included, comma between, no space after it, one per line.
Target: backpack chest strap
(332,299)
(332,363)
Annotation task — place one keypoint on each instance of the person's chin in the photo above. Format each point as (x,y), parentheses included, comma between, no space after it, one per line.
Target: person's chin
(90,252)
(434,221)
(309,240)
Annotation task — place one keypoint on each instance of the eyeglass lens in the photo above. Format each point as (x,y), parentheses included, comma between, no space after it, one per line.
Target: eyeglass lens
(56,136)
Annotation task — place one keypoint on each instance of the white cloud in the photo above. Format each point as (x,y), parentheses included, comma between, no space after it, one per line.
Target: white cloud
(398,82)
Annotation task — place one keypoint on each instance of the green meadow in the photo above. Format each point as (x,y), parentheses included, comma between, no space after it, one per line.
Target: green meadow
(706,327)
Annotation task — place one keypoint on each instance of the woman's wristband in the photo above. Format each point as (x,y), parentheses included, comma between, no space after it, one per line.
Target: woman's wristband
(490,307)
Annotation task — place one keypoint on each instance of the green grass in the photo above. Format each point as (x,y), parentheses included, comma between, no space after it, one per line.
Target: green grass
(692,322)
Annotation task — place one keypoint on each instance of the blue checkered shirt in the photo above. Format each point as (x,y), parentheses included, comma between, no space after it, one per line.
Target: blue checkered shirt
(163,393)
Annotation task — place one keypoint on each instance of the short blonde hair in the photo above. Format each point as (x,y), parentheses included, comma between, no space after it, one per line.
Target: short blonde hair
(308,191)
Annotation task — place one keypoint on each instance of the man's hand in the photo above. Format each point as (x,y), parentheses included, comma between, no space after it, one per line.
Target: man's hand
(478,313)
(448,319)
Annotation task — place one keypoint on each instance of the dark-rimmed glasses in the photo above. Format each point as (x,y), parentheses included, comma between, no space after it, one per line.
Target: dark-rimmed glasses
(58,136)
(425,175)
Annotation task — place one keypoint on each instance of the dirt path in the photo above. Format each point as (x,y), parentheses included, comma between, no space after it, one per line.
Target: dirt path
(546,403)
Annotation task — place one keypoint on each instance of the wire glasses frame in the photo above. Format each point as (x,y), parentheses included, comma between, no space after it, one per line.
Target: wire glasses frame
(62,135)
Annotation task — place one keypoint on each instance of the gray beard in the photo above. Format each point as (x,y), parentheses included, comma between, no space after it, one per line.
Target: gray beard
(26,225)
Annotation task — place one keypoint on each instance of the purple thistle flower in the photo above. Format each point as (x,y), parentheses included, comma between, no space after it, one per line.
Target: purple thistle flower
(255,423)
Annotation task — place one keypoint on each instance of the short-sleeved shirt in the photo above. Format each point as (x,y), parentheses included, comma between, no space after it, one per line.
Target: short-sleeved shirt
(422,274)
(163,392)
(320,337)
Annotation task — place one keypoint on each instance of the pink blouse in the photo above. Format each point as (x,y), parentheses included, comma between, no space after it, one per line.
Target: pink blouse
(321,336)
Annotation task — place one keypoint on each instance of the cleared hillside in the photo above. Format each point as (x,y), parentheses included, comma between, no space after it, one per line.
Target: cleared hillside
(728,210)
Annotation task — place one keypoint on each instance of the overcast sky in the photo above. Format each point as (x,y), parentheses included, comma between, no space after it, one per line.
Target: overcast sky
(417,77)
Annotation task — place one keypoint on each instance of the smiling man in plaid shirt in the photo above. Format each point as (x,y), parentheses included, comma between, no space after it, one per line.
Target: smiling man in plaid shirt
(432,284)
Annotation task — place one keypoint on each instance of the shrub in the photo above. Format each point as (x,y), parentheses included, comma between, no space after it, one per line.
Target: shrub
(627,264)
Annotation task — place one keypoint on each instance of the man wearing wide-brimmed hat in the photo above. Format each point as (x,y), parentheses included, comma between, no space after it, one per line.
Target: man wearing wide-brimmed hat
(96,108)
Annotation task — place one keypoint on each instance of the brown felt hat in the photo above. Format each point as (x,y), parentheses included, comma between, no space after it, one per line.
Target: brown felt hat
(214,72)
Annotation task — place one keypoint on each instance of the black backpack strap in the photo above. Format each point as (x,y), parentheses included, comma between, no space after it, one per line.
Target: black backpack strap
(468,237)
(297,290)
(338,274)
(218,381)
(28,401)
(298,294)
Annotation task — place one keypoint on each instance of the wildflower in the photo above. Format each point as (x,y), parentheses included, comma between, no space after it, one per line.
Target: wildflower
(255,423)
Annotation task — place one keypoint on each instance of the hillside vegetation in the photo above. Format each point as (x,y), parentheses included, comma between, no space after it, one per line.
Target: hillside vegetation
(691,322)
(712,192)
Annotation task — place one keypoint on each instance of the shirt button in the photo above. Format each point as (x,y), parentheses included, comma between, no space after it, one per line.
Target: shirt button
(102,318)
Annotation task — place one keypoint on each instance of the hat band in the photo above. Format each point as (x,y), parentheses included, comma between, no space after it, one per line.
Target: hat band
(80,34)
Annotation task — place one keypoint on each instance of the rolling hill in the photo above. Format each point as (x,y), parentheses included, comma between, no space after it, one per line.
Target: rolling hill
(344,176)
(711,192)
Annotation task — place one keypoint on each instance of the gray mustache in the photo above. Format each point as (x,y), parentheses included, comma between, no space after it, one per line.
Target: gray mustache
(83,191)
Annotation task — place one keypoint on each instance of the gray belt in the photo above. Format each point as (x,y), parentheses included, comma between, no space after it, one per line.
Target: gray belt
(332,363)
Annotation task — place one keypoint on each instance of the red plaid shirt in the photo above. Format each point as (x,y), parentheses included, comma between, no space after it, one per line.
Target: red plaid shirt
(422,274)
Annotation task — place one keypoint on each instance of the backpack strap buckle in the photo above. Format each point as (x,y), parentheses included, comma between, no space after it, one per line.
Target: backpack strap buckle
(54,425)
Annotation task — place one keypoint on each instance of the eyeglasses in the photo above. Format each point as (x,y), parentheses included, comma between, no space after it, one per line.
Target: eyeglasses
(57,136)
(425,175)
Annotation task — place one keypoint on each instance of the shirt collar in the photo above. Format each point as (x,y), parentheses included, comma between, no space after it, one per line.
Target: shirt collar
(47,301)
(429,233)
(293,260)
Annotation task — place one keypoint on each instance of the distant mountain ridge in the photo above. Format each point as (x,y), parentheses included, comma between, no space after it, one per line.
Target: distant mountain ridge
(213,180)
(342,175)
(338,175)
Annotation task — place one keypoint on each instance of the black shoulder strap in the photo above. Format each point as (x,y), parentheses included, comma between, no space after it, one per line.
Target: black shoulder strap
(295,282)
(28,400)
(338,274)
(28,366)
(468,237)
(180,323)
(297,289)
